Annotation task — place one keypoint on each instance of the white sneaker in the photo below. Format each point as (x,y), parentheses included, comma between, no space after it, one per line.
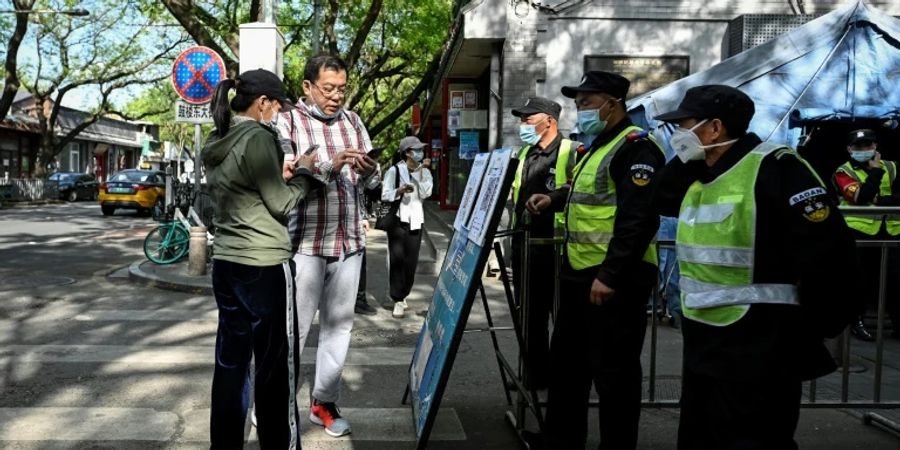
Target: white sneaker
(405,305)
(399,311)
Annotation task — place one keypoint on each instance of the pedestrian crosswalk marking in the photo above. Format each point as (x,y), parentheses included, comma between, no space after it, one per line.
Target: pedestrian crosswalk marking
(87,424)
(145,424)
(176,354)
(368,424)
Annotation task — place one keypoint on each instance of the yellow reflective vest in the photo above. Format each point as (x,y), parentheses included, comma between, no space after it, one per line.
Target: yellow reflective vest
(591,207)
(715,245)
(565,162)
(868,224)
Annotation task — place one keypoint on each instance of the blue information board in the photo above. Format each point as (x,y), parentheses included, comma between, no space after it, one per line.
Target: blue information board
(455,289)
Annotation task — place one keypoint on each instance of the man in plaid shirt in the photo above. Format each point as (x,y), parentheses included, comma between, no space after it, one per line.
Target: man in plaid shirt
(326,230)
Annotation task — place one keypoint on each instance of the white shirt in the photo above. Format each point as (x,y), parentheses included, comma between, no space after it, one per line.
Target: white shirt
(410,210)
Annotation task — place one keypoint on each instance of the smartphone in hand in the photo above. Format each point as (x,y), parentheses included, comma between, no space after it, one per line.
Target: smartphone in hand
(311,149)
(375,153)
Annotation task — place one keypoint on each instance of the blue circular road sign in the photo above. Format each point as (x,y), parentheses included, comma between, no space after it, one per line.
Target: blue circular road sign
(196,73)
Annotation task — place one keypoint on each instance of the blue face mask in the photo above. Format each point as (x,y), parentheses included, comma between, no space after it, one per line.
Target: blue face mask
(862,156)
(589,121)
(528,134)
(418,155)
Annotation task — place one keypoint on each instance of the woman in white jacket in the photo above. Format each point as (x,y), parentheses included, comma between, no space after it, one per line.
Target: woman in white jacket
(409,182)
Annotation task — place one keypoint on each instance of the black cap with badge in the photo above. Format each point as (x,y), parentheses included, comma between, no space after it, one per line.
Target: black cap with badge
(600,82)
(536,105)
(263,82)
(714,101)
(863,135)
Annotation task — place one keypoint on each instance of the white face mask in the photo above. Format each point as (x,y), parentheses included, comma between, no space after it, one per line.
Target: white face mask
(687,145)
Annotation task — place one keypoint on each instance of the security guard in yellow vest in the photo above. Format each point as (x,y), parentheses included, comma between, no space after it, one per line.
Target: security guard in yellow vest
(765,259)
(608,272)
(545,164)
(865,180)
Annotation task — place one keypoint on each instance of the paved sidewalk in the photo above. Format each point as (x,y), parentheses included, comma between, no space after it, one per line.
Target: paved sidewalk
(475,392)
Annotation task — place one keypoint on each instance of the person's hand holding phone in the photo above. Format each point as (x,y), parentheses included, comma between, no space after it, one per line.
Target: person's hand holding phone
(364,165)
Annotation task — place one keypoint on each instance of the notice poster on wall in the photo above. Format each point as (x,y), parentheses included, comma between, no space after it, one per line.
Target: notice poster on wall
(468,144)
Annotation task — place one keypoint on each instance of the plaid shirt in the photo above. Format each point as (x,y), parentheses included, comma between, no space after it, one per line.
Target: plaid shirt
(327,222)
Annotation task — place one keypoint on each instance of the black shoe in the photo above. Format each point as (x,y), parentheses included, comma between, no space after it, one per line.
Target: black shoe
(533,441)
(859,331)
(363,307)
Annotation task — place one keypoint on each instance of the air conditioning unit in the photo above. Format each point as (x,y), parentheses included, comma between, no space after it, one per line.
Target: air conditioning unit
(749,30)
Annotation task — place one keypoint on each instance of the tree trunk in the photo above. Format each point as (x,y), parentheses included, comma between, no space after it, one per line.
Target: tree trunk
(11,82)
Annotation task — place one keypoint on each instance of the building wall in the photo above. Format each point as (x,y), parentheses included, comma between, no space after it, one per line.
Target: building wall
(543,52)
(711,9)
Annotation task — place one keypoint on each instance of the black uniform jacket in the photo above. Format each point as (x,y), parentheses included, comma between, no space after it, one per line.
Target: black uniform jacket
(633,170)
(539,177)
(801,239)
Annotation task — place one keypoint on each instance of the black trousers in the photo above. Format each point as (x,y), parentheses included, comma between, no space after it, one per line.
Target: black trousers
(599,346)
(361,289)
(540,278)
(403,245)
(256,318)
(729,415)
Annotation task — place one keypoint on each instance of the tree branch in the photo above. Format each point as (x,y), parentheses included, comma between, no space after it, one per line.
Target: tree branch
(183,11)
(413,96)
(328,25)
(363,32)
(11,80)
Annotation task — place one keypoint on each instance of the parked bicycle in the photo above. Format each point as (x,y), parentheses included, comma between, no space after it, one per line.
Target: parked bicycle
(170,241)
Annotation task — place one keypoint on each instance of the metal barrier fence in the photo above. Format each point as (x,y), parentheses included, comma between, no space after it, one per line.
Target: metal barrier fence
(27,189)
(530,400)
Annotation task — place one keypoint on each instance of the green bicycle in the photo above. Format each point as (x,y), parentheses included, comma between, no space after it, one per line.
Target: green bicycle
(170,241)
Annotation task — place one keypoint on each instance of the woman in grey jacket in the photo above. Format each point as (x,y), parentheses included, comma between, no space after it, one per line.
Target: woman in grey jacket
(253,191)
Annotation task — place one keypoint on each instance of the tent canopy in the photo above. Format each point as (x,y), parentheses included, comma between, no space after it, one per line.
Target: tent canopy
(841,66)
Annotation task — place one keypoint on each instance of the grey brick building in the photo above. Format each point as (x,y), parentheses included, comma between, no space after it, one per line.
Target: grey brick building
(509,50)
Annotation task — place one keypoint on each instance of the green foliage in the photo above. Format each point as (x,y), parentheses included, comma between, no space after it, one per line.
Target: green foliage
(395,55)
(157,105)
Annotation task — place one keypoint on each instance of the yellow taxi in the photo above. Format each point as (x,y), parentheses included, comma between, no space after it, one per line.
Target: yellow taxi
(139,190)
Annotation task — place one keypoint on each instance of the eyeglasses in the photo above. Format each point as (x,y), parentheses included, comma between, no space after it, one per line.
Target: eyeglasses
(332,91)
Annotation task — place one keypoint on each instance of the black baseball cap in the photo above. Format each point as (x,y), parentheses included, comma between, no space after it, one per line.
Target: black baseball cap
(715,101)
(535,105)
(263,82)
(862,135)
(600,82)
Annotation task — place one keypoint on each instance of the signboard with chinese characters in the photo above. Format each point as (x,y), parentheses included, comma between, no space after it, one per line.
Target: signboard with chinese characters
(646,73)
(188,113)
(455,290)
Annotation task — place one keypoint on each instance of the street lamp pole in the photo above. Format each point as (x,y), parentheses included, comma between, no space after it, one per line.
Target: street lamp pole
(67,12)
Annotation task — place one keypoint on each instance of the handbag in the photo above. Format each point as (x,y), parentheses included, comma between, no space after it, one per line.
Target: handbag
(386,213)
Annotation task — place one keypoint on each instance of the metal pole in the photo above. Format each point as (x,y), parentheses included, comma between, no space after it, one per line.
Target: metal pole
(198,136)
(879,333)
(269,7)
(654,296)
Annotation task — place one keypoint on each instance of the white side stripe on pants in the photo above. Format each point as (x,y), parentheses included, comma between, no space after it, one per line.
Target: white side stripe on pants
(292,389)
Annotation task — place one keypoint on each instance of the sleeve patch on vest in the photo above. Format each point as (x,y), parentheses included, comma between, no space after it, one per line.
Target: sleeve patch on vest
(807,194)
(812,204)
(641,174)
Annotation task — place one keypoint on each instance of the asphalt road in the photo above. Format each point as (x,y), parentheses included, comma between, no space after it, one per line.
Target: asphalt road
(90,360)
